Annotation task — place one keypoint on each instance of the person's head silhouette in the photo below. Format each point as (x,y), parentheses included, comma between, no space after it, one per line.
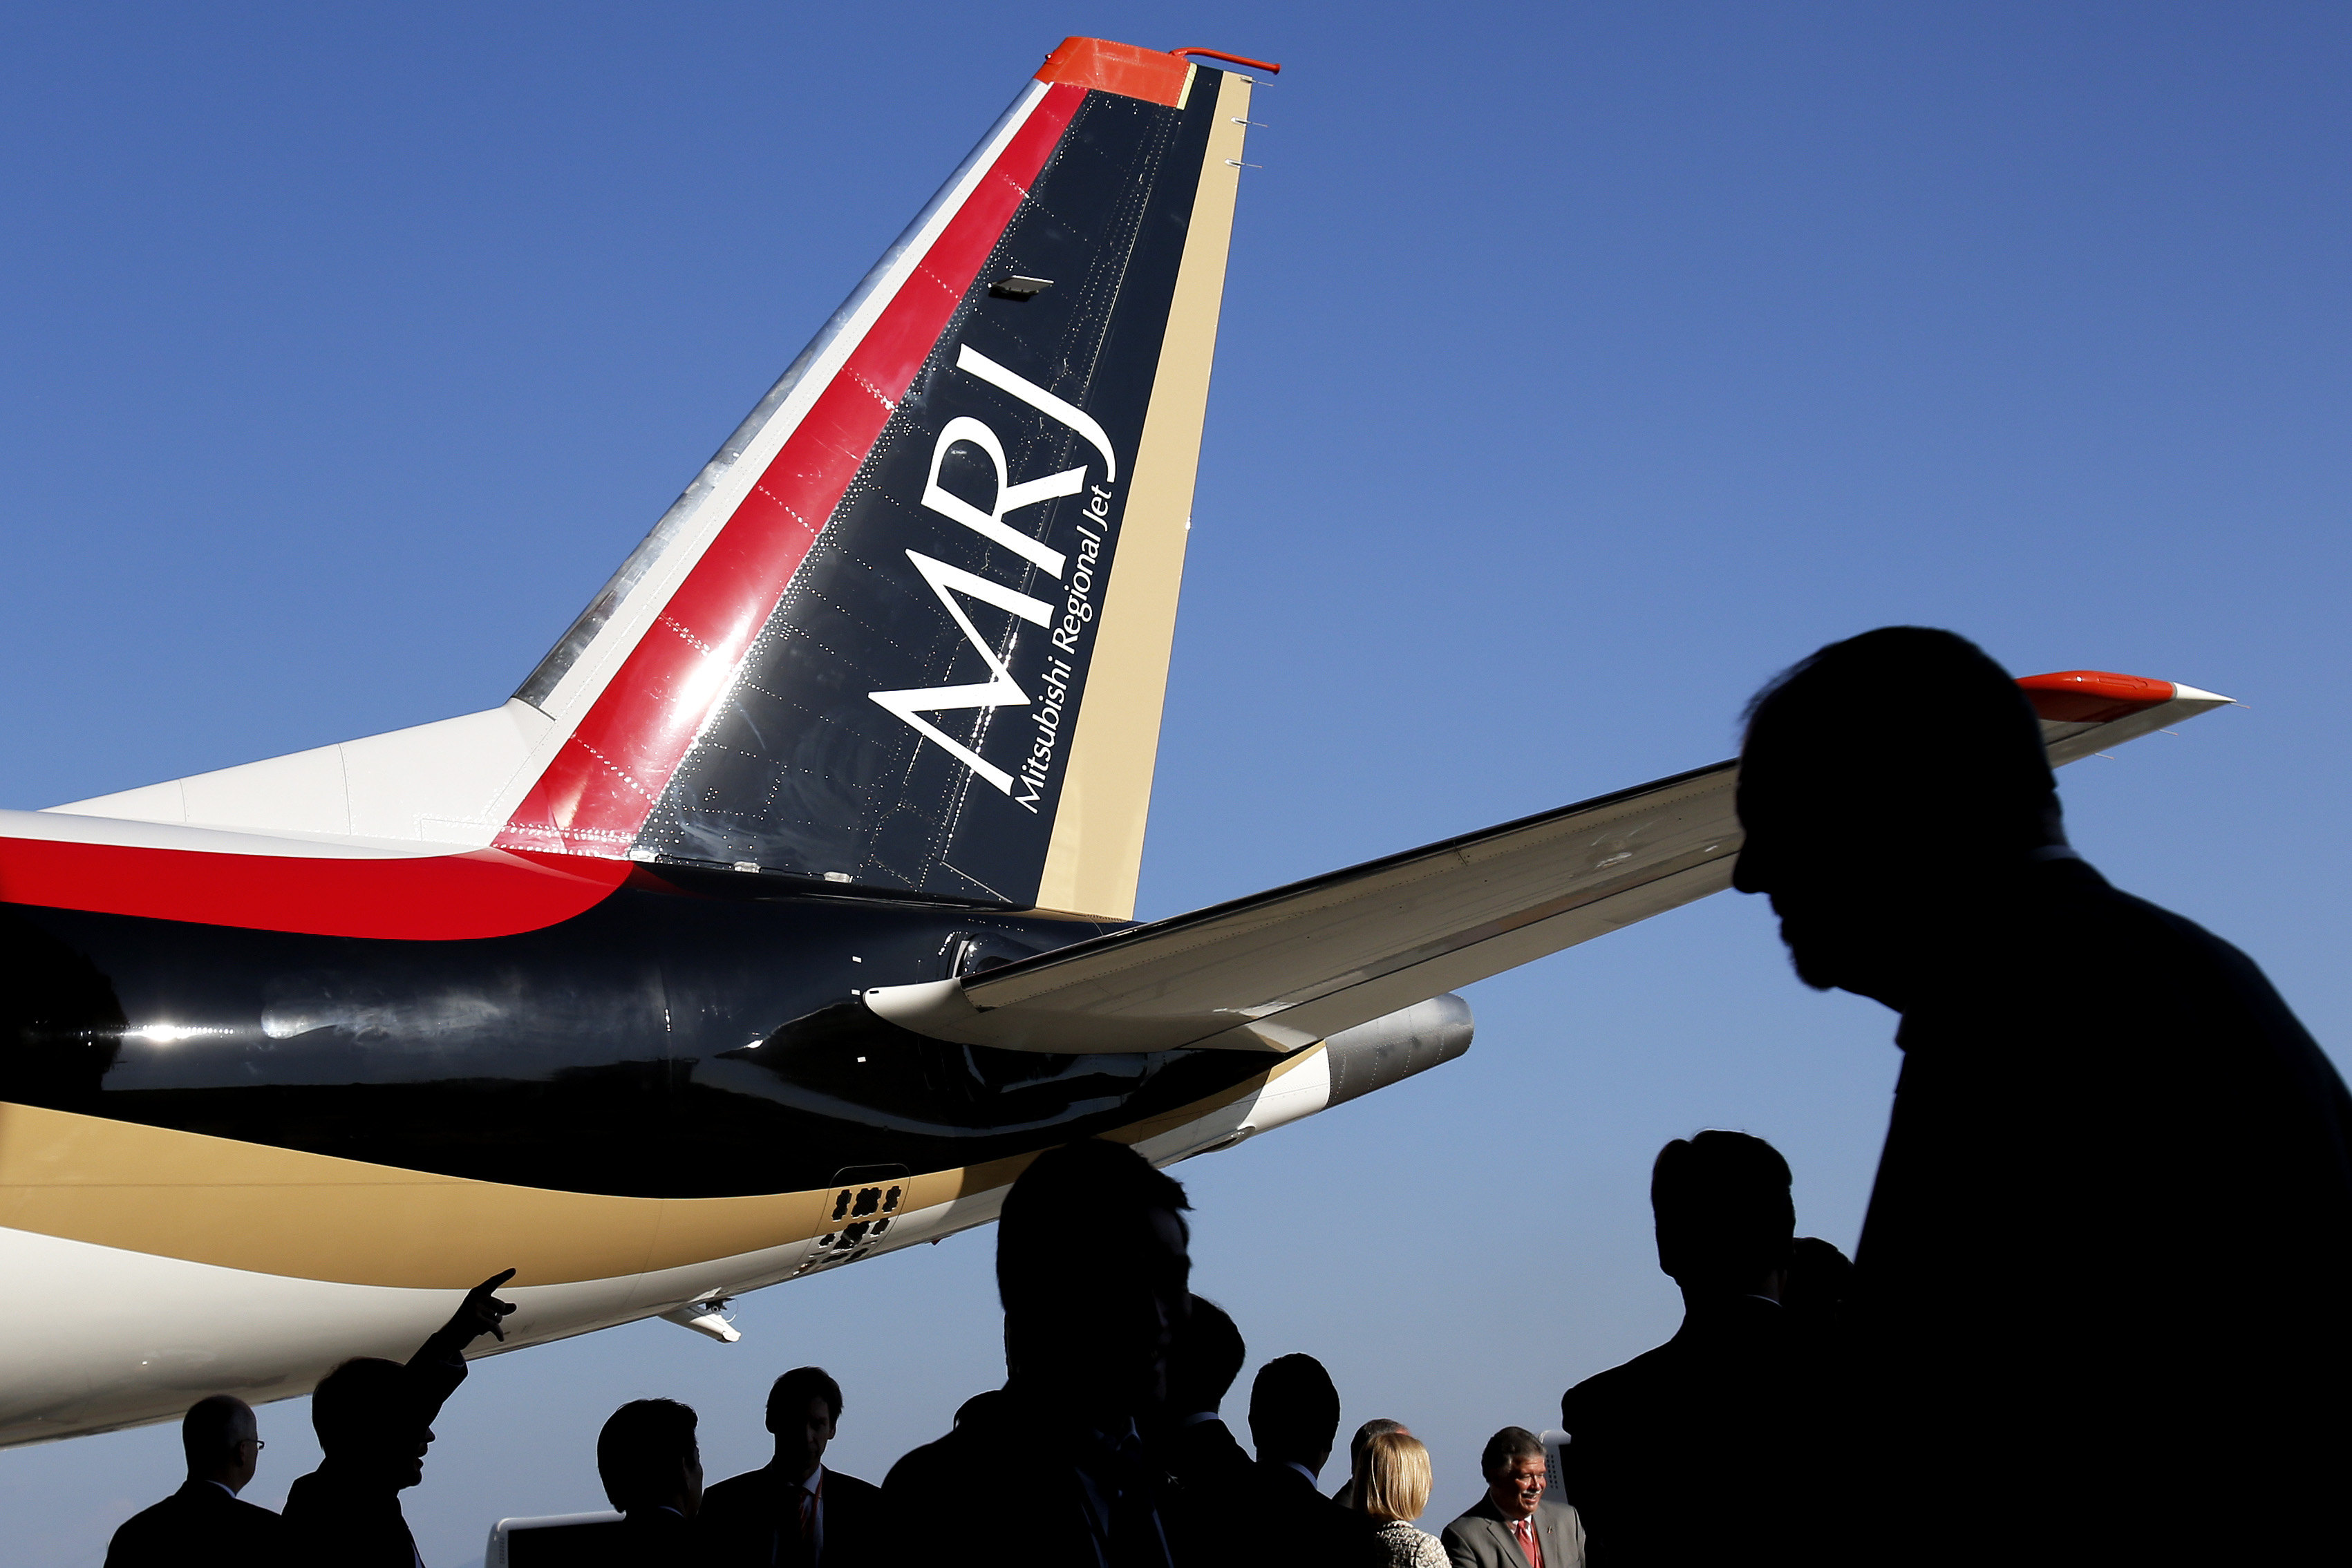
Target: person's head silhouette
(1293,1413)
(1205,1356)
(221,1441)
(804,1411)
(1092,1267)
(1882,779)
(648,1459)
(1725,1223)
(369,1424)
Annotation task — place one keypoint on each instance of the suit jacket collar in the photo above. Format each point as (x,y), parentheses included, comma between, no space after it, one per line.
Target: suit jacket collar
(1551,1523)
(1210,1443)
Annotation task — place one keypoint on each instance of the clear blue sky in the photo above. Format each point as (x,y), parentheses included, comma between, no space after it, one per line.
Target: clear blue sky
(1582,364)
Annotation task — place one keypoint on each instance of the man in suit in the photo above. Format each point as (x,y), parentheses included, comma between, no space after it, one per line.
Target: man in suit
(1208,1472)
(1512,1526)
(651,1465)
(1294,1418)
(795,1512)
(1703,1450)
(203,1523)
(374,1420)
(1093,1268)
(2100,1285)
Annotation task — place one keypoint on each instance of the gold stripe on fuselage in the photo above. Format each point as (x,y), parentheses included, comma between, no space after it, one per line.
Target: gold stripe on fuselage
(315,1217)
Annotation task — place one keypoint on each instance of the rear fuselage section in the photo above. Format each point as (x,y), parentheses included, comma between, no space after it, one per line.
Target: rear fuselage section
(690,1036)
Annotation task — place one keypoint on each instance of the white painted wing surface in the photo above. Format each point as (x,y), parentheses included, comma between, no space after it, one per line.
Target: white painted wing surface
(1282,969)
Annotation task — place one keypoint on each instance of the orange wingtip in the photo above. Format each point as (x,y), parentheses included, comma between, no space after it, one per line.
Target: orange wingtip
(2092,696)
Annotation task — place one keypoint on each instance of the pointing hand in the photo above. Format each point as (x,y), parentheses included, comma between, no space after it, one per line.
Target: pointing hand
(481,1311)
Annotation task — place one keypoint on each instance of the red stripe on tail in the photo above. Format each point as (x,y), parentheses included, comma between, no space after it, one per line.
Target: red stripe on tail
(596,794)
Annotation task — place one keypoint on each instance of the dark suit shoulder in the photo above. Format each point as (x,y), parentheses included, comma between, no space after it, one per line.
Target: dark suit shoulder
(1287,1519)
(735,1492)
(854,1511)
(307,1493)
(733,1486)
(966,1476)
(1202,1452)
(2104,930)
(921,1471)
(737,1515)
(1604,1394)
(143,1537)
(198,1524)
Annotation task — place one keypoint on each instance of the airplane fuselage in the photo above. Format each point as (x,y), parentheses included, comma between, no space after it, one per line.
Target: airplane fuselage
(693,1035)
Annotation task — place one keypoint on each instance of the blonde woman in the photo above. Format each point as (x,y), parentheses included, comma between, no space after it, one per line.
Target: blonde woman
(1393,1489)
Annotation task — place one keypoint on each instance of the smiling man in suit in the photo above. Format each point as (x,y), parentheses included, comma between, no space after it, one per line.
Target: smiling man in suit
(1512,1526)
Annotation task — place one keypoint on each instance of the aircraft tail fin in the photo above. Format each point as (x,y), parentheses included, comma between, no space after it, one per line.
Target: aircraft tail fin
(910,629)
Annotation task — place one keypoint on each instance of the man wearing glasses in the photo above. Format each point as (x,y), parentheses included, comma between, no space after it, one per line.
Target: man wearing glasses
(204,1522)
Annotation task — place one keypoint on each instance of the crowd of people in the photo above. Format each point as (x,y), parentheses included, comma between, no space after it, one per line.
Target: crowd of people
(2097,1314)
(1106,1445)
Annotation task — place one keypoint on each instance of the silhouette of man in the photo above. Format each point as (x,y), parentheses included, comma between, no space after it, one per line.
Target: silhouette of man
(203,1523)
(374,1420)
(2101,1286)
(1092,1269)
(1207,1470)
(1380,1425)
(795,1512)
(651,1465)
(1512,1526)
(1294,1418)
(1698,1451)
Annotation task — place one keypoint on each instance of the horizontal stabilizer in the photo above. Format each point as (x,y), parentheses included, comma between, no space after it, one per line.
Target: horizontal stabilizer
(1283,969)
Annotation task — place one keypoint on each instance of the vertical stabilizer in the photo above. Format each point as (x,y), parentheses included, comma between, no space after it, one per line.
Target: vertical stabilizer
(910,628)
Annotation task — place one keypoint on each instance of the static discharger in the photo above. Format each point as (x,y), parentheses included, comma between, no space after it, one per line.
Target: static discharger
(1268,66)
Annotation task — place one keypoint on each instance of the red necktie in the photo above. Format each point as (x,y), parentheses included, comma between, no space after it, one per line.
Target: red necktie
(1525,1533)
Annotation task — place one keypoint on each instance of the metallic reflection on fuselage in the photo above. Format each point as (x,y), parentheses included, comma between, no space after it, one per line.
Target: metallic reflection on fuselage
(696,1037)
